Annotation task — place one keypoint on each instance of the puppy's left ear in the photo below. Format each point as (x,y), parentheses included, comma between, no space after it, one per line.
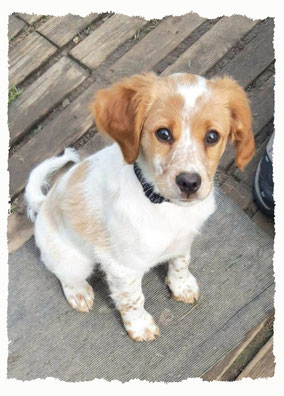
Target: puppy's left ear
(121,109)
(241,120)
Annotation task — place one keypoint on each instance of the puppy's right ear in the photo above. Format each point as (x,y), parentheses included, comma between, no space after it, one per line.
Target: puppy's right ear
(120,111)
(241,132)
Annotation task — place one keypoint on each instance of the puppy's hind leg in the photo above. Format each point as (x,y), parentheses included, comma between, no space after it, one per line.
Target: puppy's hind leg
(72,270)
(71,266)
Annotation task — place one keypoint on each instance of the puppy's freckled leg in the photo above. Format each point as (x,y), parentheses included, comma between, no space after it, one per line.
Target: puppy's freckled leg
(181,282)
(127,294)
(80,296)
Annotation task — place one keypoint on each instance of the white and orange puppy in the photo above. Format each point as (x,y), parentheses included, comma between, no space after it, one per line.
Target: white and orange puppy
(142,200)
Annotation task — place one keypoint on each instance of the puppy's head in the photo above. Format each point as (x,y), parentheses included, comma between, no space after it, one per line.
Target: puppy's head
(177,128)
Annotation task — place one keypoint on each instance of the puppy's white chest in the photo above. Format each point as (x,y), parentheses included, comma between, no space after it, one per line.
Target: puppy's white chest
(167,238)
(154,236)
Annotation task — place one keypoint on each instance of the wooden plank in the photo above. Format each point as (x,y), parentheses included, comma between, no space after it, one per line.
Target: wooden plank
(19,231)
(262,365)
(96,143)
(262,106)
(247,177)
(253,59)
(69,126)
(30,18)
(45,93)
(265,223)
(94,49)
(206,51)
(155,46)
(28,56)
(238,192)
(60,30)
(220,370)
(15,26)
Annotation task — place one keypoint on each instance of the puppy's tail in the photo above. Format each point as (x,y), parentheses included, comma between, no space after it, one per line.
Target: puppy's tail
(39,178)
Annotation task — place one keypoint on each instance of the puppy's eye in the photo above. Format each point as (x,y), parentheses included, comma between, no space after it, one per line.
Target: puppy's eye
(164,135)
(212,137)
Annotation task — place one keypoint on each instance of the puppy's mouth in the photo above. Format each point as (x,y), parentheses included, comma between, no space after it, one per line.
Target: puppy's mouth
(180,199)
(186,202)
(184,199)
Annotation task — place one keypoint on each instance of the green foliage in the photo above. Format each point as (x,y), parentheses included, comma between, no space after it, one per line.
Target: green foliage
(14,92)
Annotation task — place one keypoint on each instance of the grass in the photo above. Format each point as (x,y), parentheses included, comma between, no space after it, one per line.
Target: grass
(13,208)
(88,30)
(36,130)
(137,34)
(14,93)
(152,24)
(20,157)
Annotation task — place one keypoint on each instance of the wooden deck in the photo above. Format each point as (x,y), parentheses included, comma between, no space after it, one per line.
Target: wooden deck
(58,63)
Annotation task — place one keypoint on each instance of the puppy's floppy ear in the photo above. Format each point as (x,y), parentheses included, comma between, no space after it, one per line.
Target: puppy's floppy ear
(241,120)
(120,111)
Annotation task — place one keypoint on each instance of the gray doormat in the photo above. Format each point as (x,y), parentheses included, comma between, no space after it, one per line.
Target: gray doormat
(232,260)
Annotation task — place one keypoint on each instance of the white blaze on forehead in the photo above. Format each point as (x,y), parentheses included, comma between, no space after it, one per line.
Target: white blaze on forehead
(188,151)
(191,92)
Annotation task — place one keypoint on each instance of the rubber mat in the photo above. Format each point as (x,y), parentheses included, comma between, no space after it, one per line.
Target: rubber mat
(232,260)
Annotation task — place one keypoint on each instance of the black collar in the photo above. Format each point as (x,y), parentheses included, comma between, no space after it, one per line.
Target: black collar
(148,188)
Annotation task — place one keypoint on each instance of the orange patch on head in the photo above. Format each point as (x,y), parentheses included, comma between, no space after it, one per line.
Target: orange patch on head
(120,111)
(164,113)
(210,114)
(237,102)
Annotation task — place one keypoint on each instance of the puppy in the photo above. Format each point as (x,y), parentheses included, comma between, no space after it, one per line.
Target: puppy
(142,200)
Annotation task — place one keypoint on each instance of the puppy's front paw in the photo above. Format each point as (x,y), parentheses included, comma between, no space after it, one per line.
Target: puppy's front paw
(143,328)
(185,289)
(80,297)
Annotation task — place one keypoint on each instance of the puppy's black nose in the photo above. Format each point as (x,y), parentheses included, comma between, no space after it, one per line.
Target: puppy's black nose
(188,183)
